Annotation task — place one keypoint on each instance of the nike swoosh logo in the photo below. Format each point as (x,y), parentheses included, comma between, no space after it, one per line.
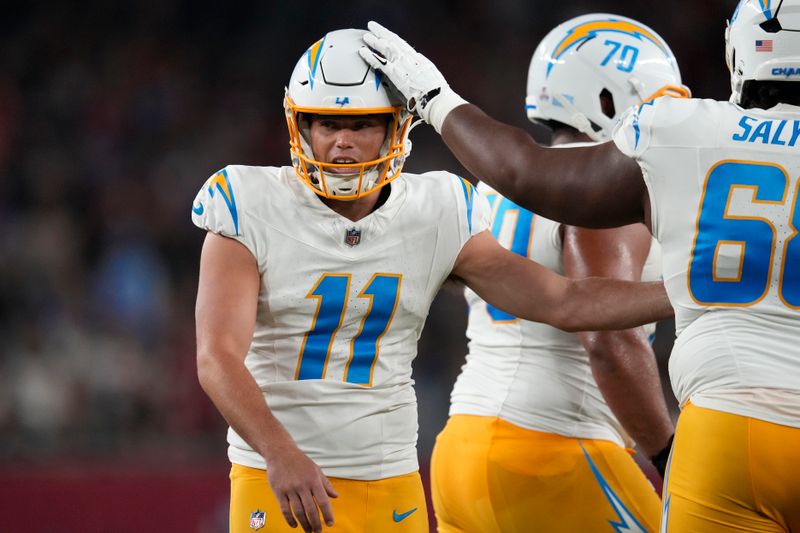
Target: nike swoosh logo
(400,517)
(198,209)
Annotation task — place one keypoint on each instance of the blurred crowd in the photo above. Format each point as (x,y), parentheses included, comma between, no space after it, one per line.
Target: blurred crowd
(112,115)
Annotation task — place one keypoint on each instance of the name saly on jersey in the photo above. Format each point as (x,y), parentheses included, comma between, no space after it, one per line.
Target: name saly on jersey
(768,131)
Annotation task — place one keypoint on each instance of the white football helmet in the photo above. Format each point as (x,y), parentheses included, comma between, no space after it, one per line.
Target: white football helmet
(762,42)
(596,54)
(332,79)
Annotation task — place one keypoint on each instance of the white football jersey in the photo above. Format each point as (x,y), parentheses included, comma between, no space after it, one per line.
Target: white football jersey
(531,374)
(341,307)
(723,184)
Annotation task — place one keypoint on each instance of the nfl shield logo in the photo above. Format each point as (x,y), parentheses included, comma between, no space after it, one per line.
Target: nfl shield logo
(257,519)
(352,237)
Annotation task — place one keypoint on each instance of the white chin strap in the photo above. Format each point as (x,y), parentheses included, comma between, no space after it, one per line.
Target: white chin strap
(581,122)
(639,88)
(346,184)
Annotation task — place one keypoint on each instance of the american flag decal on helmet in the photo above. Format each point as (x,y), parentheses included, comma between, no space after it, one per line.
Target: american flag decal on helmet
(763,45)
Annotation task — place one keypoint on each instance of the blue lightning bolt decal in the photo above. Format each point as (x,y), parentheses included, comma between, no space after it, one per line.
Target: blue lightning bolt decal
(588,30)
(667,497)
(314,54)
(636,122)
(627,522)
(766,8)
(223,186)
(469,198)
(736,11)
(665,515)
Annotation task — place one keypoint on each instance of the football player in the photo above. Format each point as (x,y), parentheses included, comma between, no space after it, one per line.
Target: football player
(540,419)
(315,281)
(717,183)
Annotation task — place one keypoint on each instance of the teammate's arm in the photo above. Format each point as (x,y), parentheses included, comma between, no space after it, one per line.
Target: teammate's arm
(549,182)
(225,314)
(622,362)
(528,290)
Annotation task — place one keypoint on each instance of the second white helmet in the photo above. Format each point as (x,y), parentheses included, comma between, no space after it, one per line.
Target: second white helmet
(593,55)
(762,43)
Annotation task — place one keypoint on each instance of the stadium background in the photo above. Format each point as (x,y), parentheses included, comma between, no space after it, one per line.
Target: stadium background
(112,114)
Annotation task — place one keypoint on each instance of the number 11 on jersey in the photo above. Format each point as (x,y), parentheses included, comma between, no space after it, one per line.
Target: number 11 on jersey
(332,292)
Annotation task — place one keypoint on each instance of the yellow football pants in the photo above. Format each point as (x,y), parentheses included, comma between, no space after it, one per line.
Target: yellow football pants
(732,473)
(392,504)
(490,476)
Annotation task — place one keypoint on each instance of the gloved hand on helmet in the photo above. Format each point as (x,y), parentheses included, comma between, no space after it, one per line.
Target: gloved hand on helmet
(423,87)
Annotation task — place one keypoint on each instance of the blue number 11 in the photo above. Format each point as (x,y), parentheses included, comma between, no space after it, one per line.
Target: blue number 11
(331,292)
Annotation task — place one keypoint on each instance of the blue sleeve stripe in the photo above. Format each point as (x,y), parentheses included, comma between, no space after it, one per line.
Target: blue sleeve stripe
(636,121)
(469,198)
(223,185)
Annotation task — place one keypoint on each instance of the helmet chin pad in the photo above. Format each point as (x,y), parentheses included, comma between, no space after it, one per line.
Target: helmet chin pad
(367,176)
(345,185)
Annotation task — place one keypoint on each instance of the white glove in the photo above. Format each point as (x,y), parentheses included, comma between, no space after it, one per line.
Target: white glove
(419,81)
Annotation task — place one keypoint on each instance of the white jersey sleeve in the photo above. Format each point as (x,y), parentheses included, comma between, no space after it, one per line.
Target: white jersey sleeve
(632,132)
(723,187)
(479,212)
(220,207)
(648,124)
(474,210)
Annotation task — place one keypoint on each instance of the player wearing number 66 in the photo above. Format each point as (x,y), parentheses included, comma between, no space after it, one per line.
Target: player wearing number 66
(718,184)
(315,281)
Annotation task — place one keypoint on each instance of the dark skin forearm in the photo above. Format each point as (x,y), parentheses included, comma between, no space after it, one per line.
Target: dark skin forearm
(623,363)
(630,385)
(594,303)
(596,186)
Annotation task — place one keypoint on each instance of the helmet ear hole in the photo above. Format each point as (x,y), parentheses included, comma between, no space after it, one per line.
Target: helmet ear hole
(771,26)
(757,27)
(765,94)
(607,103)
